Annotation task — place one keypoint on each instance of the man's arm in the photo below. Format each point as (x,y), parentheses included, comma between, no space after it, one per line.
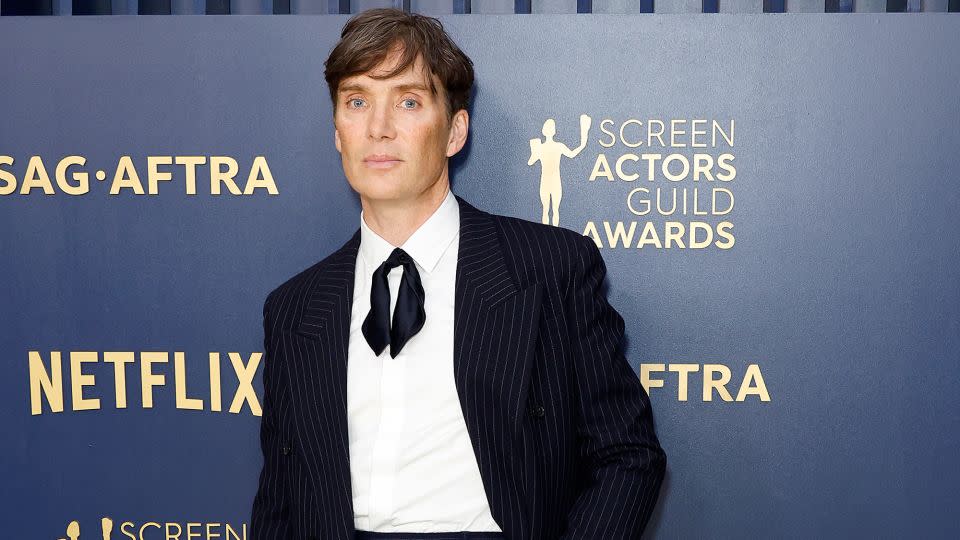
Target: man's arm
(622,456)
(270,506)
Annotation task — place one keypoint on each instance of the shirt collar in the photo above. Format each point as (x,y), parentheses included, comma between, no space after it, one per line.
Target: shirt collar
(426,245)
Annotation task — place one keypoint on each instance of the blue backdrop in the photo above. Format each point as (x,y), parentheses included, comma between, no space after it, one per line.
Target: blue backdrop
(827,316)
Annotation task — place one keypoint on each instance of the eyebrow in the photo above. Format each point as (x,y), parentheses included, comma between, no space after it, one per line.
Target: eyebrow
(357,87)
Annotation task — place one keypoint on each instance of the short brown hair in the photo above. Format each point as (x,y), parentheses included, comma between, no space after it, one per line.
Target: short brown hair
(370,36)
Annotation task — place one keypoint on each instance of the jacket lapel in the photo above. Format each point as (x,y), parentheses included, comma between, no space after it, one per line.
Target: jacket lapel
(322,381)
(495,328)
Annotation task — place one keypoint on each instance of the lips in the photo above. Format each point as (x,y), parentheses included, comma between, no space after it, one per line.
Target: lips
(381,157)
(381,161)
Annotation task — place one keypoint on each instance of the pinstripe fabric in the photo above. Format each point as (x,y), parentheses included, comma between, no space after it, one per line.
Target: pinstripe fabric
(559,422)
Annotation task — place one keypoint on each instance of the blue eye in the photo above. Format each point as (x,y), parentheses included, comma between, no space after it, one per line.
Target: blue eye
(410,100)
(354,100)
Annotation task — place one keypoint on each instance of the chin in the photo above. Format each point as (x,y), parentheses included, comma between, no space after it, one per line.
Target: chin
(383,197)
(378,190)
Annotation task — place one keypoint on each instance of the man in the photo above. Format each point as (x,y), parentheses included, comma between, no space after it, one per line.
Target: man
(447,373)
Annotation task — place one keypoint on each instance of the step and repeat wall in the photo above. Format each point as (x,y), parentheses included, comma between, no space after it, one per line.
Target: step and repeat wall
(775,198)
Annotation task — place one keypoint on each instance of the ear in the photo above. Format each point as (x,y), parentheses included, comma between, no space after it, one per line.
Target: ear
(459,127)
(336,139)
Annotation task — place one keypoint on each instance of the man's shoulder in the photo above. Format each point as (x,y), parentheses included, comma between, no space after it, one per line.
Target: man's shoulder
(541,252)
(296,288)
(523,231)
(521,236)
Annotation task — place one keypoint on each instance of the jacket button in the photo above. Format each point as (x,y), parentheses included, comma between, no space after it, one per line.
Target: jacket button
(537,411)
(285,450)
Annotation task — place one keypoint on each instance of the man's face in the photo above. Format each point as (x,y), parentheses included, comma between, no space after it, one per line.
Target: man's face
(393,134)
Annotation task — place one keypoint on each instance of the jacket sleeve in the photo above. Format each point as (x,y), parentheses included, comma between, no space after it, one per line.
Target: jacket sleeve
(622,459)
(269,520)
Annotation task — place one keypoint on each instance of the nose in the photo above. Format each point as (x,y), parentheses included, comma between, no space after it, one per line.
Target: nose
(381,125)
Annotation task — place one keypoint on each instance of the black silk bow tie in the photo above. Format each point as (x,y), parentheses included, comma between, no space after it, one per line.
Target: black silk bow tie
(408,315)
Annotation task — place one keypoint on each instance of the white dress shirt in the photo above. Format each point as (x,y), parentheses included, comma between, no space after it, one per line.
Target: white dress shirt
(412,466)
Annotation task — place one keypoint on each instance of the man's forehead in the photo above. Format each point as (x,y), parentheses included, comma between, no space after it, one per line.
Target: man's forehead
(401,80)
(414,75)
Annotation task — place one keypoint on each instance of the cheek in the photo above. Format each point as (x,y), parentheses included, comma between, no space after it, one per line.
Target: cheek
(424,131)
(348,135)
(434,141)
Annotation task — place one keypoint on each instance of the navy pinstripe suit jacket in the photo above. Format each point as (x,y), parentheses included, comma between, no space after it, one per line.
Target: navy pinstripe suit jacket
(559,422)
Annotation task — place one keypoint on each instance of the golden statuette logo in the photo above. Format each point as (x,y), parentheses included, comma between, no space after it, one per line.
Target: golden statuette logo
(549,152)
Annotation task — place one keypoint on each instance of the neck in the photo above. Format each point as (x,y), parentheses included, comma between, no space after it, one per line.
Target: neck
(396,221)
